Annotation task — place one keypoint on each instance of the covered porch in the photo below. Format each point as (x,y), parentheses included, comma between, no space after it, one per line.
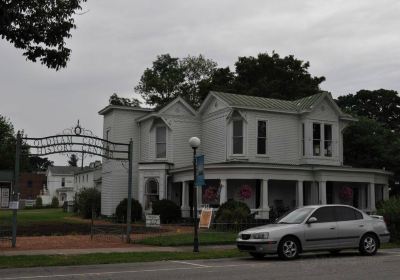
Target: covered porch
(270,192)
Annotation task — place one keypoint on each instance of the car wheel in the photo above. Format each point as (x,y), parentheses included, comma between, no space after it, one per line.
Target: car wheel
(257,256)
(368,245)
(288,248)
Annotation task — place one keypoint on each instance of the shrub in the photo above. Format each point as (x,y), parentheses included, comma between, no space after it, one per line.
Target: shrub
(55,203)
(87,199)
(232,211)
(390,210)
(167,209)
(39,202)
(136,211)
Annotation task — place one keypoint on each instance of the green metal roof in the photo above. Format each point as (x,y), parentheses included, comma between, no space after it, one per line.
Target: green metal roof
(255,102)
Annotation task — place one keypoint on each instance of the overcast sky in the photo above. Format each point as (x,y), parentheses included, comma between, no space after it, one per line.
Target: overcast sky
(354,44)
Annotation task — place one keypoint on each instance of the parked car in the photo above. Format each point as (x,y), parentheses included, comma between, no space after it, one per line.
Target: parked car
(311,228)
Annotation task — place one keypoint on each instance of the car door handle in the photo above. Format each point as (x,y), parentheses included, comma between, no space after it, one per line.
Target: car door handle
(332,228)
(361,225)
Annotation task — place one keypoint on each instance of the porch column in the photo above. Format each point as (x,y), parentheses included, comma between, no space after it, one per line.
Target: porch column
(263,212)
(299,194)
(185,209)
(223,195)
(385,192)
(322,192)
(371,197)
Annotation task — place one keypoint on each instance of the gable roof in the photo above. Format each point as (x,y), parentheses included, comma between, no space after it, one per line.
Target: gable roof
(303,105)
(165,108)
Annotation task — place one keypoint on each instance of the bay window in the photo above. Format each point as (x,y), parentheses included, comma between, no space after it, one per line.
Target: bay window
(161,142)
(316,139)
(327,140)
(237,137)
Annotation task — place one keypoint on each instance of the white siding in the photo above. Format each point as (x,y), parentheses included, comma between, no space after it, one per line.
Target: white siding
(115,173)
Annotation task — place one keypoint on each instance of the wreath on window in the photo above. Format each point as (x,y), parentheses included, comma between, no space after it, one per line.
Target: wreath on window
(210,194)
(346,193)
(245,192)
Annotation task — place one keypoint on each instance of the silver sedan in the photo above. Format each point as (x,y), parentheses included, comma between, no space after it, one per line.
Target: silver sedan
(311,228)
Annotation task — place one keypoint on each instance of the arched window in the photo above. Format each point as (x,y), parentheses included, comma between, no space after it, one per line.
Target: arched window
(151,192)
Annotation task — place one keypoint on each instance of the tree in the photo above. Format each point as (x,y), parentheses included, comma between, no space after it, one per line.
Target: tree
(73,160)
(7,144)
(381,105)
(271,76)
(121,101)
(39,163)
(171,77)
(39,28)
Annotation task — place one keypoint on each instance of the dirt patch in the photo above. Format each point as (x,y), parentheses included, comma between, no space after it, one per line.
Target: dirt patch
(80,241)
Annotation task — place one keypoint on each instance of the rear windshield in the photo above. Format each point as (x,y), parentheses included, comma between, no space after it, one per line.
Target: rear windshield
(296,216)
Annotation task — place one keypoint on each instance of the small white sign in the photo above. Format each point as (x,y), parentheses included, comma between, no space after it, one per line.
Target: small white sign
(152,220)
(14,205)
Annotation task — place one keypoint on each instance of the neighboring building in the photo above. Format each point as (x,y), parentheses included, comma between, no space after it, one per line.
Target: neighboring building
(31,185)
(88,177)
(271,154)
(6,179)
(60,184)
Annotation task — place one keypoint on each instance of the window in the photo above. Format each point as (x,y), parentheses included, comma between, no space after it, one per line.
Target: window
(324,215)
(161,142)
(237,137)
(29,184)
(327,140)
(63,182)
(261,137)
(347,214)
(316,139)
(151,193)
(303,143)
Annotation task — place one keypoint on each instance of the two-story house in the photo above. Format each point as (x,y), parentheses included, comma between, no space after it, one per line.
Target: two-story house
(268,153)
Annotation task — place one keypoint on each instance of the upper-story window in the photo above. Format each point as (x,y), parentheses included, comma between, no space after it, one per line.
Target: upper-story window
(62,182)
(161,142)
(237,137)
(316,139)
(261,137)
(327,140)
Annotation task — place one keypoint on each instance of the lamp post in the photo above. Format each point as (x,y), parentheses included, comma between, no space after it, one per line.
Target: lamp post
(194,142)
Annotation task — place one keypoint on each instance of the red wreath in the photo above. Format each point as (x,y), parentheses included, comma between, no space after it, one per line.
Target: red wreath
(346,193)
(245,192)
(210,194)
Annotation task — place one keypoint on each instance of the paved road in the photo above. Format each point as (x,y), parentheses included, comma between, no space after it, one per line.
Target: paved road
(349,265)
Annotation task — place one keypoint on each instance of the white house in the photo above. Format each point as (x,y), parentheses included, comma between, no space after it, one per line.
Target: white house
(269,153)
(60,184)
(88,177)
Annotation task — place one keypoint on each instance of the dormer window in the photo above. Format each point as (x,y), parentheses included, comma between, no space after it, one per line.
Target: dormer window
(237,137)
(161,142)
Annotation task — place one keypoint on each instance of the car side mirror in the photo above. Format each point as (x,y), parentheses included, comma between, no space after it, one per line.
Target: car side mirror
(312,220)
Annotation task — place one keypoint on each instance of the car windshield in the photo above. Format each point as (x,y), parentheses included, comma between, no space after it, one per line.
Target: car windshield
(296,216)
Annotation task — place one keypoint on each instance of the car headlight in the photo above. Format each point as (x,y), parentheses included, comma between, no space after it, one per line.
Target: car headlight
(260,235)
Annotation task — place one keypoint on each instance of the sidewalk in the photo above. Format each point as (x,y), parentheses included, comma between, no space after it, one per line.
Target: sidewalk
(131,249)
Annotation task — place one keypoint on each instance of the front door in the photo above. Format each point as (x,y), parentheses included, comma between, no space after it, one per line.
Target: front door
(323,233)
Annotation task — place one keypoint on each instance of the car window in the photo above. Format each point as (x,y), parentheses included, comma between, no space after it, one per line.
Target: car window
(324,215)
(296,216)
(347,214)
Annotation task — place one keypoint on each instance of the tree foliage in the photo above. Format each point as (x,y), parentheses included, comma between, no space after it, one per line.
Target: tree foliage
(381,105)
(369,144)
(73,160)
(7,144)
(121,101)
(40,28)
(39,164)
(193,77)
(87,200)
(170,77)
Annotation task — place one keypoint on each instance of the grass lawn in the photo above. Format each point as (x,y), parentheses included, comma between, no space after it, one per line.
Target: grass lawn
(205,238)
(390,245)
(99,258)
(33,216)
